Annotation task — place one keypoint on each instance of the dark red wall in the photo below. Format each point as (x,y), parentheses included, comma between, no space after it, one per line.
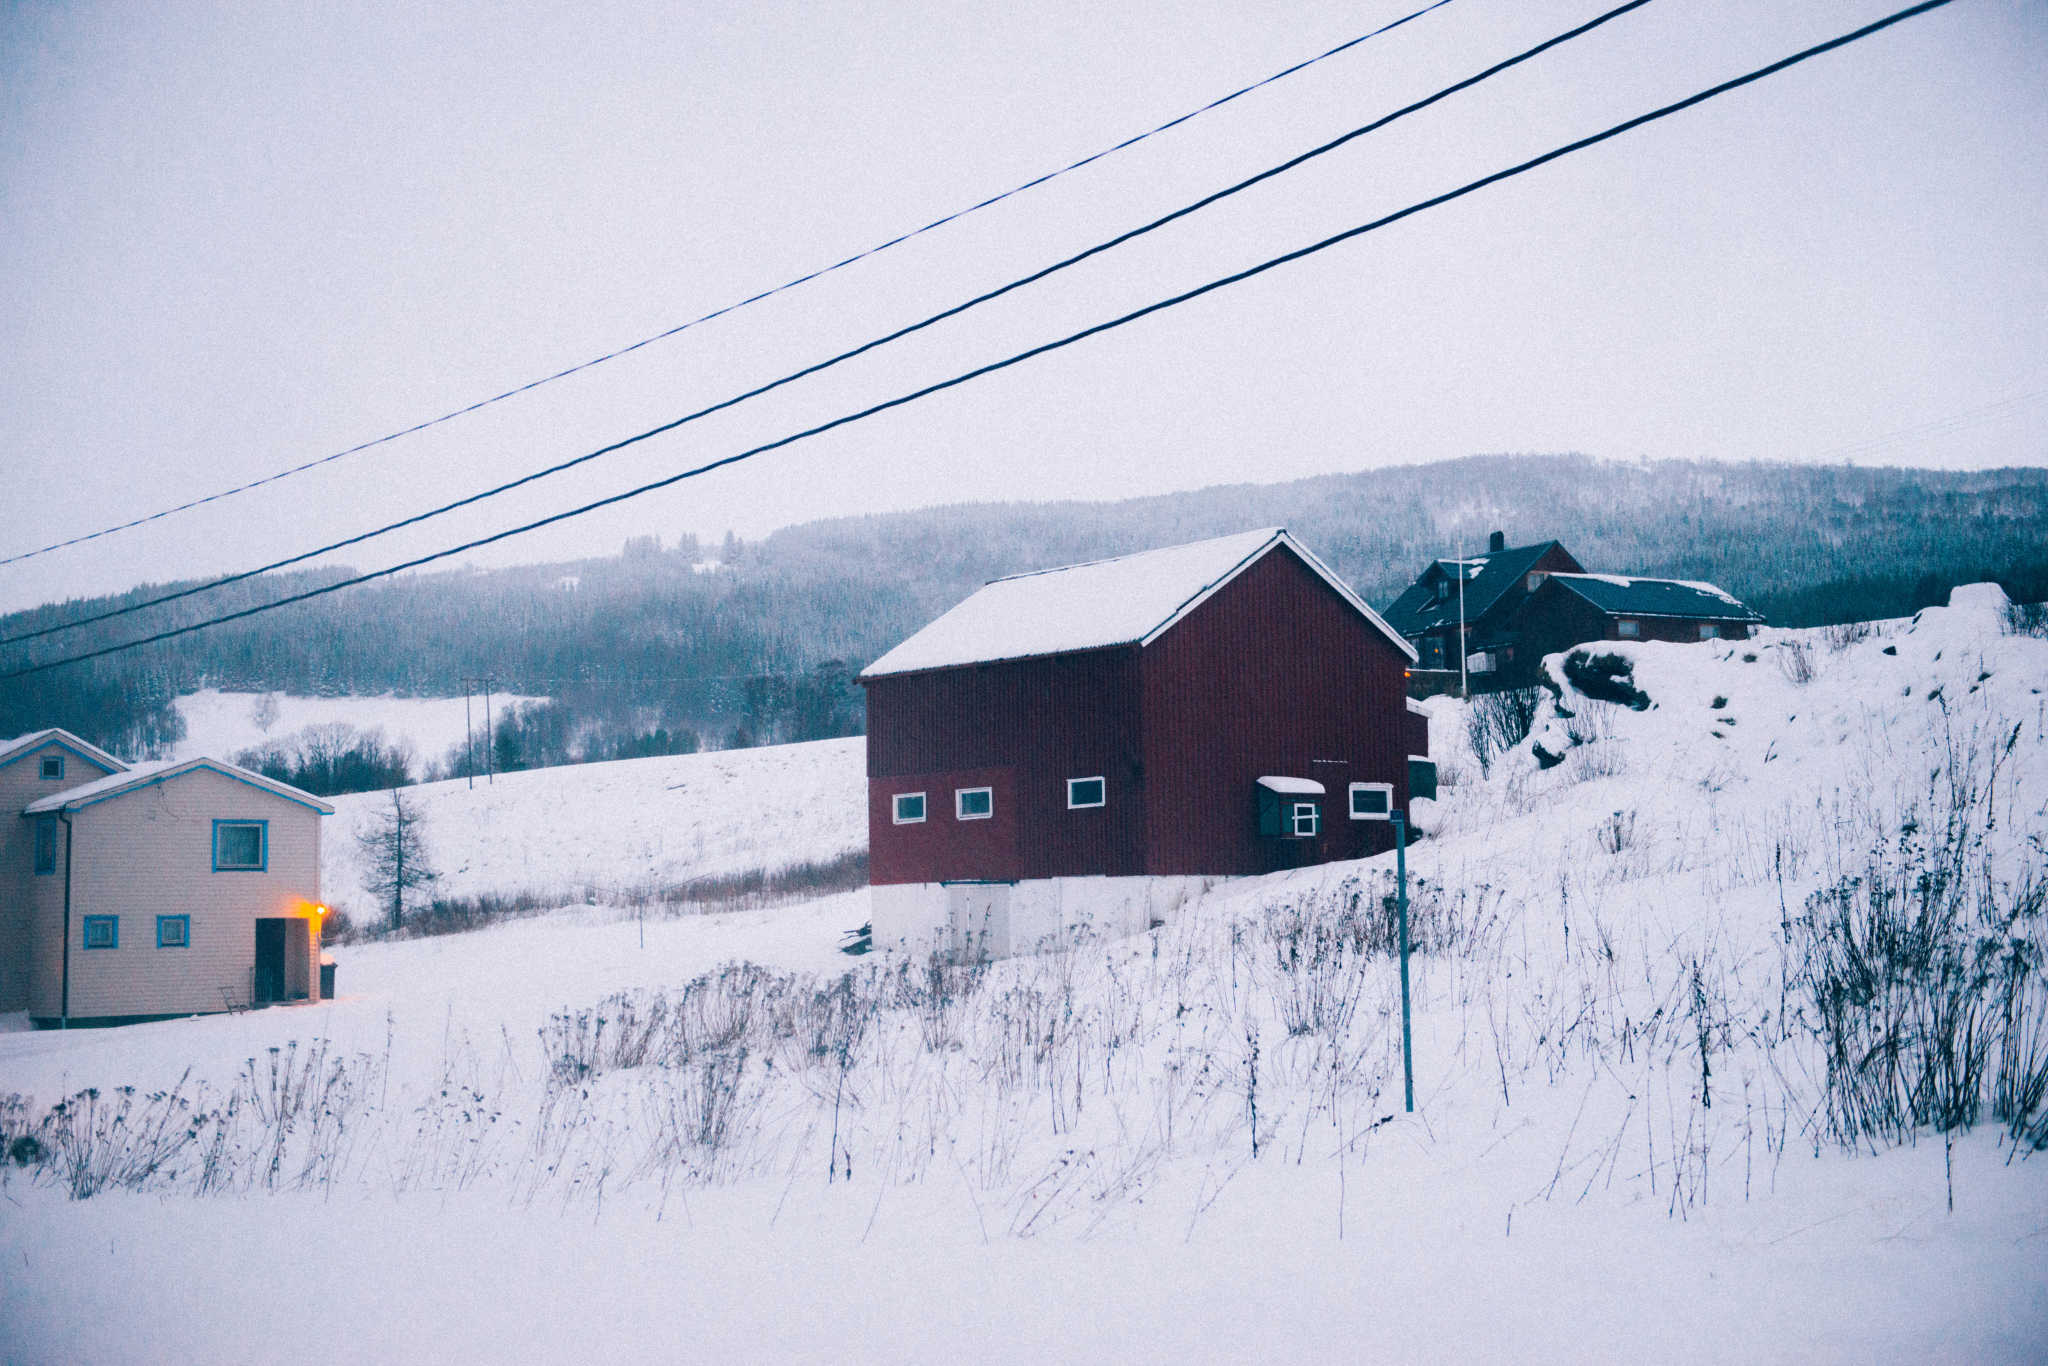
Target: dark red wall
(1276,674)
(1041,721)
(1272,674)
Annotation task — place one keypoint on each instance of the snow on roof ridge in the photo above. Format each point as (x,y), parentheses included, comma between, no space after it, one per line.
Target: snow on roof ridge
(1264,534)
(10,749)
(1127,600)
(1631,580)
(145,773)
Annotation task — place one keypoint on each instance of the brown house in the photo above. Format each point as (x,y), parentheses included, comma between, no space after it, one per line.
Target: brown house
(1447,620)
(1574,609)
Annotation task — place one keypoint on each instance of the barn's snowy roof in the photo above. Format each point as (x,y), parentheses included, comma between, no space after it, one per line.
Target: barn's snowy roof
(143,775)
(1125,601)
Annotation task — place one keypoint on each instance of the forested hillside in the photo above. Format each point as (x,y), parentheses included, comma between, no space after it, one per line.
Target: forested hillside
(659,649)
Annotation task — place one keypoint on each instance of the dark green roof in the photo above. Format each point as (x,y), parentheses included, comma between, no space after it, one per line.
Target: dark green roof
(1418,611)
(1625,596)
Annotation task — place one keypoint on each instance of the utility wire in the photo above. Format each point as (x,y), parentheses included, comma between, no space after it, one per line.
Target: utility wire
(865,347)
(1940,426)
(734,307)
(1224,282)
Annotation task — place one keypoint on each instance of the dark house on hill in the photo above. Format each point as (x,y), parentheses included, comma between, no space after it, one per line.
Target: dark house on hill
(1074,752)
(1573,609)
(1496,585)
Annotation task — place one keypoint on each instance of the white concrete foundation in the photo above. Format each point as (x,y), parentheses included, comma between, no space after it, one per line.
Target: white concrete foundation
(975,921)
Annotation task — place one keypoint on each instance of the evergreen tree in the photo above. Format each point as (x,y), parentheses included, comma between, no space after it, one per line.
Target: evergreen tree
(397,855)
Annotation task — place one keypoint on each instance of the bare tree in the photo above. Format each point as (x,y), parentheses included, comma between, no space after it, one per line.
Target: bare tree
(264,712)
(397,856)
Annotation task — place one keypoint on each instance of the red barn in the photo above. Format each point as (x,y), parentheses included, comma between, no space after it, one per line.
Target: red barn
(1065,752)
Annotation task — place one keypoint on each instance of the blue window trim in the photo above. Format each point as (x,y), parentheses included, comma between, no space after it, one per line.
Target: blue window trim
(45,825)
(44,767)
(113,924)
(184,941)
(262,864)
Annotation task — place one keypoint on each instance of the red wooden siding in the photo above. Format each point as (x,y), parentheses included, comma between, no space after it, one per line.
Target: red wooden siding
(1418,733)
(1041,721)
(1275,674)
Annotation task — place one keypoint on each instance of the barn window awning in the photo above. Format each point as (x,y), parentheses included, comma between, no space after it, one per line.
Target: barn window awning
(1293,787)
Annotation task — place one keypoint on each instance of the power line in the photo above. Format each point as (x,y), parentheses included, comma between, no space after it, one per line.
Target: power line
(865,347)
(1022,356)
(1940,426)
(735,307)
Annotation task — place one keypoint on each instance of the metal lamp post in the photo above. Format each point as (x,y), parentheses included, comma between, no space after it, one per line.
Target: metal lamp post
(1401,902)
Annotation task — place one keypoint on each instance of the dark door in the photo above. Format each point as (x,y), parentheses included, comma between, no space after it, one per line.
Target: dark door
(270,960)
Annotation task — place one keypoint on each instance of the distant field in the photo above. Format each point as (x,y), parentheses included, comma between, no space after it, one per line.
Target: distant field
(223,724)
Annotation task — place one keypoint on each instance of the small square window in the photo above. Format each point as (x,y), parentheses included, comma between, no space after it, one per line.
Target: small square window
(46,845)
(1306,820)
(53,765)
(1085,792)
(974,803)
(1709,632)
(174,931)
(1372,801)
(1628,629)
(103,931)
(909,808)
(240,846)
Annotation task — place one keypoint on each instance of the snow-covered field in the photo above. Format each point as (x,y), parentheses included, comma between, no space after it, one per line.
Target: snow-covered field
(223,724)
(614,829)
(1188,1146)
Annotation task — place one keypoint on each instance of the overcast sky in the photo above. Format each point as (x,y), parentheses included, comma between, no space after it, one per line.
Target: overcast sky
(233,241)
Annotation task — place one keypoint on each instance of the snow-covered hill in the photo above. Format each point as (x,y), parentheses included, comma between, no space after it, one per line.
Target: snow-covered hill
(614,830)
(579,1136)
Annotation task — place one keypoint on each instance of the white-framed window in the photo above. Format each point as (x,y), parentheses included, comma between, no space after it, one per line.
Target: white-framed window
(1305,819)
(1372,801)
(1709,631)
(909,808)
(53,765)
(974,803)
(174,931)
(1628,630)
(1086,792)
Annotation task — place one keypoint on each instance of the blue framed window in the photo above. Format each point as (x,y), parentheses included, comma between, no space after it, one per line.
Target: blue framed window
(53,765)
(241,846)
(174,931)
(46,844)
(103,931)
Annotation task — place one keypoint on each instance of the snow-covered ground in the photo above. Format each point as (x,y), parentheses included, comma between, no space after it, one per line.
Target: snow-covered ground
(223,724)
(615,829)
(1185,1146)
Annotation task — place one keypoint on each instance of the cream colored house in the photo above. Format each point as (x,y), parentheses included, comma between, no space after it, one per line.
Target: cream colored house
(168,889)
(31,768)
